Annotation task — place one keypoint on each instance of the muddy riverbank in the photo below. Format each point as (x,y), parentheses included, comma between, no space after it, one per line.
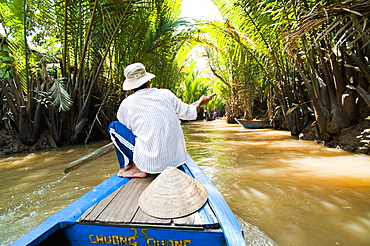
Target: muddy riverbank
(354,139)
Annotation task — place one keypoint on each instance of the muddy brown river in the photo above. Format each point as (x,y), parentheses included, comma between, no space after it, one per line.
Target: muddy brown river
(284,191)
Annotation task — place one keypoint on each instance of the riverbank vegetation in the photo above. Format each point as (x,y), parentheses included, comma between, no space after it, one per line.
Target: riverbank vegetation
(61,64)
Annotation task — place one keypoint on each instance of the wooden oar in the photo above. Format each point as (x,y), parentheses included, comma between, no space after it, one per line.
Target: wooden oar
(92,156)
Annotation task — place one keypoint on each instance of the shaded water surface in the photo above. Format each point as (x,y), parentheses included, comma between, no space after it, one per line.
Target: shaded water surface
(284,191)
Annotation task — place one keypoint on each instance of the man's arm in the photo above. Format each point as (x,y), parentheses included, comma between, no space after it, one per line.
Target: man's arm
(202,100)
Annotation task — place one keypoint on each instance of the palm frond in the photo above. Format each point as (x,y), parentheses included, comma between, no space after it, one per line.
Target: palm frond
(343,21)
(12,17)
(60,97)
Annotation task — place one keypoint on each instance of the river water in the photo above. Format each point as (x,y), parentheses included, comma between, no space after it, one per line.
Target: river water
(284,191)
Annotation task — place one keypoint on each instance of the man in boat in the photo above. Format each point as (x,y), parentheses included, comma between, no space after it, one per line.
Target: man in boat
(148,136)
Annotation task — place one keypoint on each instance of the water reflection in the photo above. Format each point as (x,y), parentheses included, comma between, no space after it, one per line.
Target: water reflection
(284,191)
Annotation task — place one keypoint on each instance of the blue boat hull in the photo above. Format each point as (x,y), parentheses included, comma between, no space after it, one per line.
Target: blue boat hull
(94,234)
(63,229)
(260,124)
(251,126)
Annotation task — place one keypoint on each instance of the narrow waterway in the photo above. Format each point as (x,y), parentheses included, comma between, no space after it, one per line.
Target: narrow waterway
(284,191)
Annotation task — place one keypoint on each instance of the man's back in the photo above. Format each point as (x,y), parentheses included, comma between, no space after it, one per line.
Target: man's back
(153,117)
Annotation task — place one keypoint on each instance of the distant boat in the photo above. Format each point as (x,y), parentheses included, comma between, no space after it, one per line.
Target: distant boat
(259,124)
(210,116)
(109,214)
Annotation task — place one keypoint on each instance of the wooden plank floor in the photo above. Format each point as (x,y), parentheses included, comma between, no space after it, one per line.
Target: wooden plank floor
(122,208)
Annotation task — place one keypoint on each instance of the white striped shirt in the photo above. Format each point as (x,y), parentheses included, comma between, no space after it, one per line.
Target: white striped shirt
(153,117)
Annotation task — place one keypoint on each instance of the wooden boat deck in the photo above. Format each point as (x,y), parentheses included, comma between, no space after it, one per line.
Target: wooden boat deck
(122,208)
(99,217)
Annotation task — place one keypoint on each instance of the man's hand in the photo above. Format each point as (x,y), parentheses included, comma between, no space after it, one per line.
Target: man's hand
(202,100)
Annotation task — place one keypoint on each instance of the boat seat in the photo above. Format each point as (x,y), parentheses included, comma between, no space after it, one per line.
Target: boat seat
(122,208)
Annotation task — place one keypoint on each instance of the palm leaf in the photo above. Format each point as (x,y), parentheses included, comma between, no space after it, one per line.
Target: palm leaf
(60,97)
(345,21)
(12,16)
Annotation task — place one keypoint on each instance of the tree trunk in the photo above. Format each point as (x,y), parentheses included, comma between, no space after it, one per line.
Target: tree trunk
(37,122)
(362,92)
(25,129)
(322,120)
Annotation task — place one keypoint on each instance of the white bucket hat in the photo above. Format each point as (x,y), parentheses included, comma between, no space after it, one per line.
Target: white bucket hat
(136,76)
(173,194)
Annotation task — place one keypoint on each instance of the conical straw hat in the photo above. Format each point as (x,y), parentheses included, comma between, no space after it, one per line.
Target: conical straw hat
(173,194)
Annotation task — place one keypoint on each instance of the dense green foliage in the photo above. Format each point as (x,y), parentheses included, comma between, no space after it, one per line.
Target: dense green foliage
(309,59)
(62,62)
(71,81)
